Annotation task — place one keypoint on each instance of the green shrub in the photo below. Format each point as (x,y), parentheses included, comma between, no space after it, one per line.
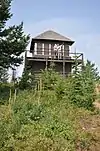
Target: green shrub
(5,92)
(27,81)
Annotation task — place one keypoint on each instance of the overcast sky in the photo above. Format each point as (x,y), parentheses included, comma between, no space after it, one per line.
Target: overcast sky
(77,19)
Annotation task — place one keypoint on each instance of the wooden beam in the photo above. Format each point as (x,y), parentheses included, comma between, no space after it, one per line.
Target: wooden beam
(46,64)
(64,68)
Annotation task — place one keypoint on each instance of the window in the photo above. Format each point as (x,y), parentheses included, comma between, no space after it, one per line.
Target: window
(43,49)
(35,49)
(50,50)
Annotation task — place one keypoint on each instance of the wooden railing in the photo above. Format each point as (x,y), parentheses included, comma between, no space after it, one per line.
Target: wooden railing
(55,56)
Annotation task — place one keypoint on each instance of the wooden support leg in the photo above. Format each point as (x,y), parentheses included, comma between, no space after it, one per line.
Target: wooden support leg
(46,64)
(63,68)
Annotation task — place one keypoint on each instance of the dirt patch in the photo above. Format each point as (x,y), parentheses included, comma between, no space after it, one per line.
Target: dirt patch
(91,126)
(97,104)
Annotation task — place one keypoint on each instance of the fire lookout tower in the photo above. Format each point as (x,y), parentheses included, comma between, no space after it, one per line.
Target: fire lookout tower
(52,47)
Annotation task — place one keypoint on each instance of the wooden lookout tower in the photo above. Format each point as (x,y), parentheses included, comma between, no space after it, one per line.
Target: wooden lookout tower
(52,47)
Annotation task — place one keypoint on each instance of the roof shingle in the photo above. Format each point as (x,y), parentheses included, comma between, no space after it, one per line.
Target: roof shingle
(52,35)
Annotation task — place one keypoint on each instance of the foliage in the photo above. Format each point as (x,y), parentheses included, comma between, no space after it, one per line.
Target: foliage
(5,92)
(57,117)
(3,75)
(49,124)
(91,71)
(27,81)
(50,78)
(13,41)
(32,121)
(78,88)
(83,84)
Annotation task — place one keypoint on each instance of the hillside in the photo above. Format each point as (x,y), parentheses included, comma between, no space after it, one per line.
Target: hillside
(42,122)
(56,114)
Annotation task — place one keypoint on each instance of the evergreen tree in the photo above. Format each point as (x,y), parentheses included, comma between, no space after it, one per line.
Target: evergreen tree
(91,71)
(83,85)
(13,41)
(27,80)
(3,75)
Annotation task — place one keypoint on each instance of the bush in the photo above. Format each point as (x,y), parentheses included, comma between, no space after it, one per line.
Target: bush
(50,78)
(27,81)
(5,92)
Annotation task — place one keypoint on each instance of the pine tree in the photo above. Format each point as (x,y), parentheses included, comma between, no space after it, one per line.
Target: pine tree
(91,71)
(27,81)
(13,41)
(83,85)
(3,75)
